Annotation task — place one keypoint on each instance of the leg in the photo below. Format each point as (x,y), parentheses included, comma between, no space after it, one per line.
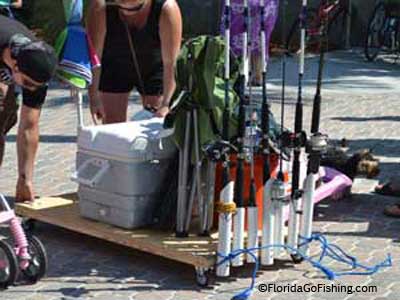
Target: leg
(256,69)
(392,210)
(390,188)
(115,107)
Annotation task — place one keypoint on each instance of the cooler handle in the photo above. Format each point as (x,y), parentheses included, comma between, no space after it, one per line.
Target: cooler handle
(94,180)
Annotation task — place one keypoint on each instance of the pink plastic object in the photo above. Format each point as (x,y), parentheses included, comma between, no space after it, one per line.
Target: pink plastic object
(6,216)
(21,241)
(335,183)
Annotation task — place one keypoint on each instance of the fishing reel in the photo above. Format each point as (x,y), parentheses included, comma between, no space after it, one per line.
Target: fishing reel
(278,191)
(317,143)
(219,151)
(316,146)
(251,142)
(293,140)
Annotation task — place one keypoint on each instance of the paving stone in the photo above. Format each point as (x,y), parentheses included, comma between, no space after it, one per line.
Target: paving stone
(15,295)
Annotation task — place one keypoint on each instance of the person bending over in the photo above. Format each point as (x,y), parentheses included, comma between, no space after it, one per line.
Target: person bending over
(29,63)
(138,42)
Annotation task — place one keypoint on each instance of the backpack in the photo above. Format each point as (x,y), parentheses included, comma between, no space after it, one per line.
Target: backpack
(200,84)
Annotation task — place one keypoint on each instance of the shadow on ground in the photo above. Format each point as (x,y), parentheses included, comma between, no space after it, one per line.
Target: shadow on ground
(361,208)
(344,72)
(51,139)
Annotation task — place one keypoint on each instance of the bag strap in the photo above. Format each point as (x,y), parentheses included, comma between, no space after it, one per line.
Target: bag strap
(134,57)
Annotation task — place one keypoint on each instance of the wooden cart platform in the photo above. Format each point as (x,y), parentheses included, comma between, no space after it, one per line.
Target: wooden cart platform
(63,211)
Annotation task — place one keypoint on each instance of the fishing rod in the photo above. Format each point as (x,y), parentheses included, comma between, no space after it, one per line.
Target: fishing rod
(226,205)
(265,107)
(298,142)
(267,237)
(275,188)
(316,145)
(252,210)
(239,217)
(278,188)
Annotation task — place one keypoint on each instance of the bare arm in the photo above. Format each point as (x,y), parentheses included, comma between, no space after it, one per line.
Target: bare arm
(96,28)
(3,90)
(171,37)
(27,145)
(16,3)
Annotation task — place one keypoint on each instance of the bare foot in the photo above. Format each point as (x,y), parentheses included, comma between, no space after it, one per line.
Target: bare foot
(388,189)
(392,211)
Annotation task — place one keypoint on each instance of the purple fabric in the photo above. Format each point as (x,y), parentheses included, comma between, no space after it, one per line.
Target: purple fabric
(335,183)
(237,28)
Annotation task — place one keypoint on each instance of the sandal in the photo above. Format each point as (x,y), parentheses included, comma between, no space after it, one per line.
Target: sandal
(387,190)
(392,211)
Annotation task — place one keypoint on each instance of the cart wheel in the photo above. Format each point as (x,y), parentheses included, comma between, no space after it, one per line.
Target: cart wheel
(8,265)
(29,225)
(297,259)
(38,264)
(202,277)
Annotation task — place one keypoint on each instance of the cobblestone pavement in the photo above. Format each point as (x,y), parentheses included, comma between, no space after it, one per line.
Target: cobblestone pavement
(86,268)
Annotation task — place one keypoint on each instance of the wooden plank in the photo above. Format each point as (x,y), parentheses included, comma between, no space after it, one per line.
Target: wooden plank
(63,211)
(45,203)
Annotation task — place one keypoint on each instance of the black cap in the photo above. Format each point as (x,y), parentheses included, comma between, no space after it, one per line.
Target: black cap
(37,60)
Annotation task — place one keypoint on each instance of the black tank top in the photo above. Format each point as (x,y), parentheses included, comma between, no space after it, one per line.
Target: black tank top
(146,40)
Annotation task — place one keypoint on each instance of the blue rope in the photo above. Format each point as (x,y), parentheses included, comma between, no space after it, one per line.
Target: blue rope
(327,250)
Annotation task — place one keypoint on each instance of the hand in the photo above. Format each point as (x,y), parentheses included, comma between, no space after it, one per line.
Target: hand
(96,108)
(162,112)
(16,3)
(24,191)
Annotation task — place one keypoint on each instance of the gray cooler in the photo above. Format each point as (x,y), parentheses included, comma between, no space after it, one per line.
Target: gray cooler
(120,170)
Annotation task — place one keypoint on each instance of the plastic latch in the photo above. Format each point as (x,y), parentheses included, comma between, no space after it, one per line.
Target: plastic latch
(139,144)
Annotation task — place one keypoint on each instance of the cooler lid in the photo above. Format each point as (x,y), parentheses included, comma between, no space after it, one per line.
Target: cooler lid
(136,140)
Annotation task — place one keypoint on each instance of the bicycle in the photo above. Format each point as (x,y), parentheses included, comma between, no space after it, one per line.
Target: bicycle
(335,12)
(28,255)
(383,29)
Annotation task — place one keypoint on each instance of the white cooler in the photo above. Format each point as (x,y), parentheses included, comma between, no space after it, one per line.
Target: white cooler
(120,170)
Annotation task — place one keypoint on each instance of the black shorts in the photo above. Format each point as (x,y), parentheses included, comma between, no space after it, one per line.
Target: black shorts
(119,76)
(34,99)
(8,111)
(8,117)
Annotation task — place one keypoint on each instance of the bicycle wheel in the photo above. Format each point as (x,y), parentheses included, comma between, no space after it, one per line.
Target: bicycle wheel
(312,30)
(376,34)
(8,265)
(38,265)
